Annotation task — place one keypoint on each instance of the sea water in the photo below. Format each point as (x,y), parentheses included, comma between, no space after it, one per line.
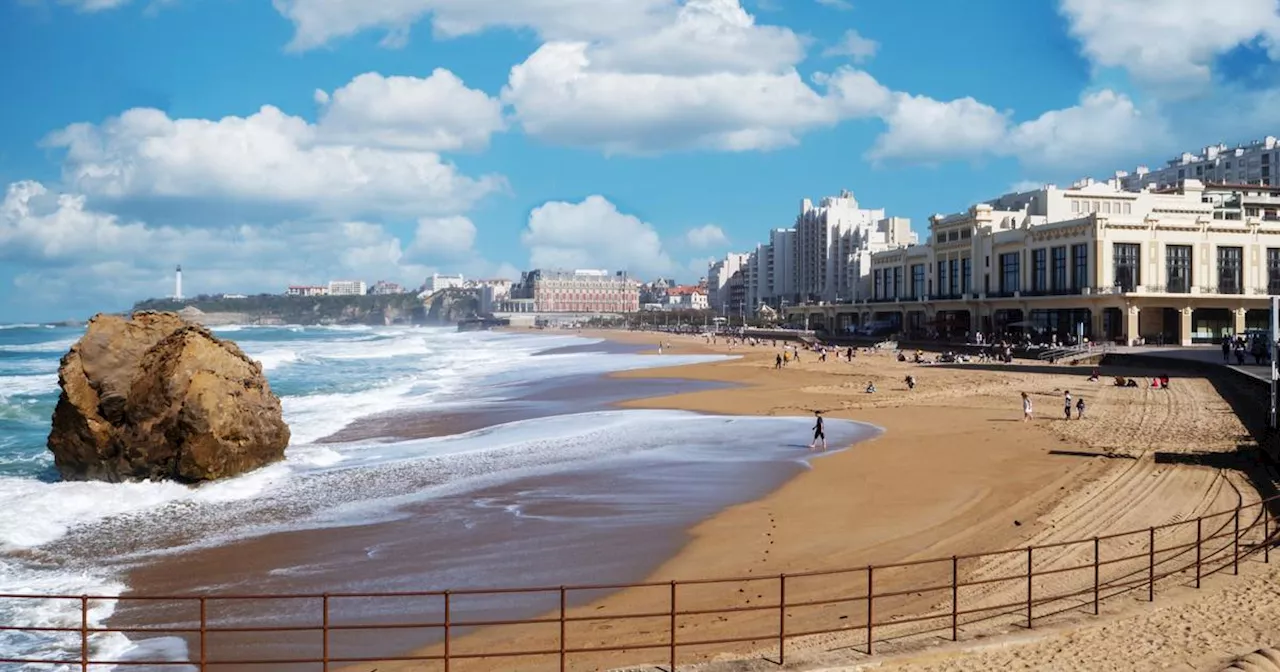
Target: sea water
(73,538)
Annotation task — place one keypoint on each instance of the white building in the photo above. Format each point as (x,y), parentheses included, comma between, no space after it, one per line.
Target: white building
(384,287)
(726,289)
(1182,265)
(686,297)
(347,288)
(306,290)
(781,267)
(833,244)
(492,292)
(436,282)
(1250,163)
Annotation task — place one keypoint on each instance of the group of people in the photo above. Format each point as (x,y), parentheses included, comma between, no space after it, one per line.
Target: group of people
(1028,409)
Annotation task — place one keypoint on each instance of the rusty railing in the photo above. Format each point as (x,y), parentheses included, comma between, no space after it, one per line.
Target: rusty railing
(1050,581)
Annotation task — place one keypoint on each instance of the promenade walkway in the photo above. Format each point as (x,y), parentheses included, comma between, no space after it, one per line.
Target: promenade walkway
(1209,354)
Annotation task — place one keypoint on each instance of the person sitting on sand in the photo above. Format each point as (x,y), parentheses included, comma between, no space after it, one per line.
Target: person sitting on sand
(871,388)
(1131,383)
(1026,407)
(1094,375)
(1164,382)
(911,382)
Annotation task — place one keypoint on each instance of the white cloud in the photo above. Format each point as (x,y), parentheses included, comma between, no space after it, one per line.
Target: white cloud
(74,254)
(1023,185)
(854,46)
(1173,44)
(1104,126)
(94,5)
(444,237)
(842,5)
(593,234)
(268,157)
(705,236)
(433,114)
(317,22)
(921,128)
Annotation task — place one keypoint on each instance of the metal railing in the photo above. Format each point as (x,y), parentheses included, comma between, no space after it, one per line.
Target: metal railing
(1068,352)
(871,604)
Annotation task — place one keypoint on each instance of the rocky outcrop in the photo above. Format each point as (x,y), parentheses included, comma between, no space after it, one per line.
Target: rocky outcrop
(155,397)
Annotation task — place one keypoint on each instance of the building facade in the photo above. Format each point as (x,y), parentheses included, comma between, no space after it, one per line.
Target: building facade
(306,290)
(1098,261)
(1253,163)
(436,282)
(686,297)
(384,287)
(347,288)
(579,291)
(833,242)
(726,284)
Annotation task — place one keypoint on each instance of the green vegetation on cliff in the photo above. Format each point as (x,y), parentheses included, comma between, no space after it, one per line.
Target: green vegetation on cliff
(276,309)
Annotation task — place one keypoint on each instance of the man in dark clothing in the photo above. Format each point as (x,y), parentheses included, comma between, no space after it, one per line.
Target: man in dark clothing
(819,433)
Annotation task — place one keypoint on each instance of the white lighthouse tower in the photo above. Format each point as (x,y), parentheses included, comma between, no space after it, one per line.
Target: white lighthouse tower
(177,284)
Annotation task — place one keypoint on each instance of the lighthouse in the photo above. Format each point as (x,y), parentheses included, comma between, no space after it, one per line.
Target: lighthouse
(177,283)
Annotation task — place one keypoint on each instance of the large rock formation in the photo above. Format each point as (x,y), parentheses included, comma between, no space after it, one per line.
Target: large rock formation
(156,397)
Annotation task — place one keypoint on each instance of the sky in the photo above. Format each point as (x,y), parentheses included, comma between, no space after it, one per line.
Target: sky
(262,143)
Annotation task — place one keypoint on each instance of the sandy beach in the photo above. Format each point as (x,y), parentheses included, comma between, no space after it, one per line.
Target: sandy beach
(956,471)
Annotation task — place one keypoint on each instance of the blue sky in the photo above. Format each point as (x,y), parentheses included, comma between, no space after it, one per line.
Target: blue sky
(264,143)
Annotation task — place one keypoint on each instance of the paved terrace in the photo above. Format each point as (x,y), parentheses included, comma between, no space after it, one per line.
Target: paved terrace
(1209,354)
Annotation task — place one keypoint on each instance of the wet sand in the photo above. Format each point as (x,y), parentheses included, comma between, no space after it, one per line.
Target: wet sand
(955,472)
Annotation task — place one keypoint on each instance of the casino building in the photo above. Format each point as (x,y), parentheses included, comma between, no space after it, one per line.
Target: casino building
(1179,265)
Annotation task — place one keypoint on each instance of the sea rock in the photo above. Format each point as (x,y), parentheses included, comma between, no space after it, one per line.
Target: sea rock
(154,397)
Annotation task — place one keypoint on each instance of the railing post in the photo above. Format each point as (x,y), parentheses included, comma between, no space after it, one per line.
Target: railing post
(871,612)
(955,598)
(1199,542)
(1235,546)
(1151,565)
(324,633)
(782,619)
(672,638)
(563,600)
(204,624)
(1029,574)
(1096,565)
(448,627)
(84,633)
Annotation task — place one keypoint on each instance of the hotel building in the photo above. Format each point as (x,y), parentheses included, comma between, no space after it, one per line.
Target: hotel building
(1251,163)
(580,291)
(347,288)
(306,290)
(833,245)
(727,283)
(1184,265)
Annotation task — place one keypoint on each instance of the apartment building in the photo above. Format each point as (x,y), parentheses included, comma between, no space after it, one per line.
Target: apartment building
(578,291)
(726,283)
(306,290)
(436,282)
(1253,163)
(833,243)
(1178,265)
(347,288)
(385,287)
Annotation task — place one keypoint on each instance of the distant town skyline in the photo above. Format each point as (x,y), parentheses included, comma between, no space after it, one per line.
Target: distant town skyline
(339,140)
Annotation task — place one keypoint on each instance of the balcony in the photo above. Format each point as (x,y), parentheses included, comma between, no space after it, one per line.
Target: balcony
(1226,288)
(1176,287)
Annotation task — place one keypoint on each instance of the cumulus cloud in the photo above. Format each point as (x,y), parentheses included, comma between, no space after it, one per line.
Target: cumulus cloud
(705,236)
(444,237)
(318,22)
(267,157)
(593,233)
(853,46)
(66,253)
(61,245)
(432,114)
(921,128)
(1174,46)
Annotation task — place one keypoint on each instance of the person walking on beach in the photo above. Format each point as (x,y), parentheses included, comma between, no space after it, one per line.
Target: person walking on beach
(1026,407)
(1226,351)
(1066,404)
(1079,408)
(819,432)
(777,362)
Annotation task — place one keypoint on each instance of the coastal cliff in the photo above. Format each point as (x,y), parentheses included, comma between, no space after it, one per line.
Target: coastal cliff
(444,307)
(381,310)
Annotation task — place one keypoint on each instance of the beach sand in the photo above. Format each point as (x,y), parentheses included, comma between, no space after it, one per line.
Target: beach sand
(955,472)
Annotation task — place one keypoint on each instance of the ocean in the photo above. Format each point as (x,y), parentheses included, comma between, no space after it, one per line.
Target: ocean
(537,462)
